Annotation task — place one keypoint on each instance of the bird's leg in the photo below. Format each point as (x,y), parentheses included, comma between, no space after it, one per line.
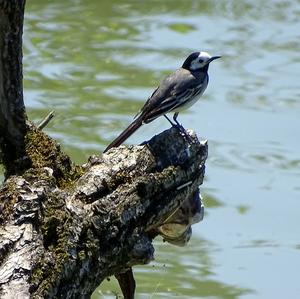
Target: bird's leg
(176,125)
(181,128)
(172,124)
(179,125)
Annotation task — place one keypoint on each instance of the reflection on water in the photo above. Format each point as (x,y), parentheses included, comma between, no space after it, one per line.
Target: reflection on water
(178,273)
(95,63)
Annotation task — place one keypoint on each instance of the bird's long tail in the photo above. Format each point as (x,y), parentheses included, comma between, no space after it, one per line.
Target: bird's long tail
(126,133)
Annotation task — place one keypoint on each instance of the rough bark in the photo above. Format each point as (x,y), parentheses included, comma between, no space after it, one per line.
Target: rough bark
(12,112)
(61,242)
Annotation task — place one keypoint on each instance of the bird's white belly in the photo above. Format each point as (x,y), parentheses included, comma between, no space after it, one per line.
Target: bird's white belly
(188,104)
(191,102)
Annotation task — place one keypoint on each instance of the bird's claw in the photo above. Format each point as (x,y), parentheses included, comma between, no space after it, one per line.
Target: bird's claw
(183,132)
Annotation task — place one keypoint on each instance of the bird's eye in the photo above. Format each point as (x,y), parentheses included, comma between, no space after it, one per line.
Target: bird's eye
(200,60)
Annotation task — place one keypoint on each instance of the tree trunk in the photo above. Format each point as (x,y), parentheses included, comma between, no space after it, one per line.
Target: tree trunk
(12,111)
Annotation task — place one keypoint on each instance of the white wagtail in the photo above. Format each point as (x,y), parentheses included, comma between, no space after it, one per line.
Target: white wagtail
(178,91)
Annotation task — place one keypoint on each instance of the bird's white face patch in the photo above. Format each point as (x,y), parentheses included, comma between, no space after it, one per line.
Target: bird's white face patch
(200,61)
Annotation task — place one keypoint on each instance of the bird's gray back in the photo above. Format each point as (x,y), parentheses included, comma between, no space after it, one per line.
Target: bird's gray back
(179,84)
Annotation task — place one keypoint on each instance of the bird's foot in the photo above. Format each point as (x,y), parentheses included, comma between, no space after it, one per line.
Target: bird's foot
(179,127)
(183,132)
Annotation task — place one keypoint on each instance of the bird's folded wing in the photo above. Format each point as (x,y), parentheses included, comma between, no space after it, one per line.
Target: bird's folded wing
(173,101)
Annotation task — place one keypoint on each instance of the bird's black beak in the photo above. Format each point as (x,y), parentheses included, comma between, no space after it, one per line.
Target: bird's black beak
(213,58)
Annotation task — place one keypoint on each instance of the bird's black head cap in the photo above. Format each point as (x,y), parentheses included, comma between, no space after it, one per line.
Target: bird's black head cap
(198,61)
(187,63)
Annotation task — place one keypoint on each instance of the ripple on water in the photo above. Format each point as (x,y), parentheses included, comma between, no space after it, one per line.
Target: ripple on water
(255,157)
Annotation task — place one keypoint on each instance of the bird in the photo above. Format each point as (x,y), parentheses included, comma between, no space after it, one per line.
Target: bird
(177,92)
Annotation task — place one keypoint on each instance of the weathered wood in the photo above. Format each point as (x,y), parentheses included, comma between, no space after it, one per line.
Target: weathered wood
(62,242)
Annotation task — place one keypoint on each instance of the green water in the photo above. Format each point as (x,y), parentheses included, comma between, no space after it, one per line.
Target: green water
(96,62)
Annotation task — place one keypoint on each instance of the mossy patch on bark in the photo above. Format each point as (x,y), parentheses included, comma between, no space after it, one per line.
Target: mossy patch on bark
(45,152)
